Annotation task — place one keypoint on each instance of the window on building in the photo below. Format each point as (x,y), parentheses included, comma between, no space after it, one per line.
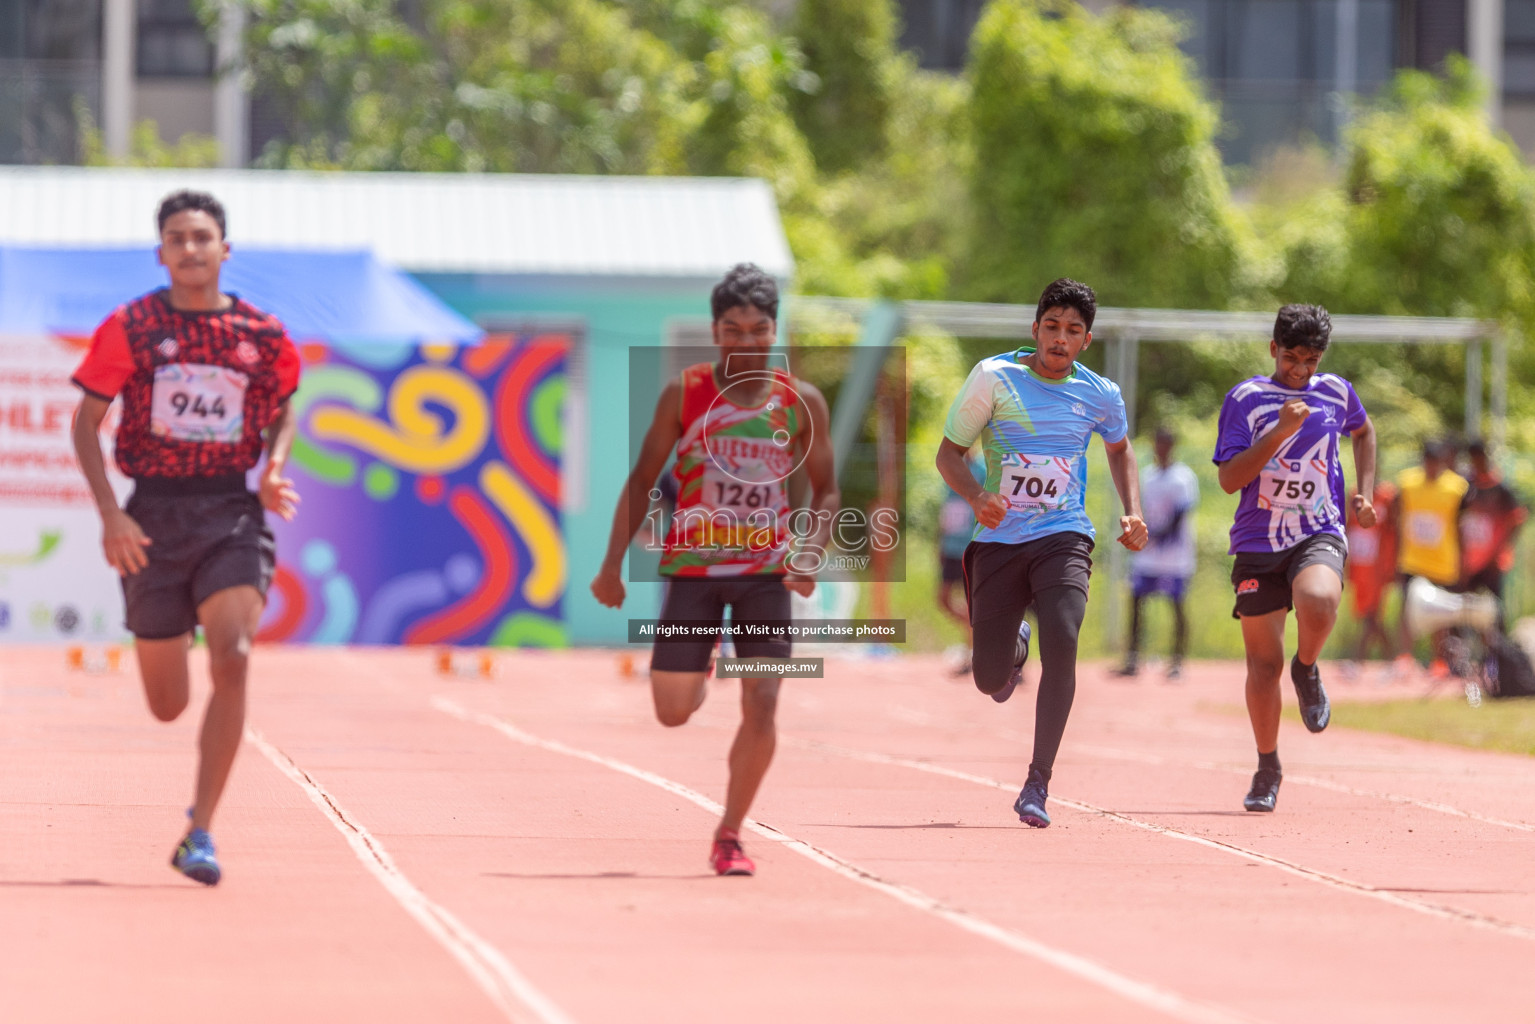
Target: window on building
(173,43)
(1519,49)
(1273,64)
(50,65)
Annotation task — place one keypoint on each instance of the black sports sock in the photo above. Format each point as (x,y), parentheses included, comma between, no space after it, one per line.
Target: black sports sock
(1269,760)
(1043,773)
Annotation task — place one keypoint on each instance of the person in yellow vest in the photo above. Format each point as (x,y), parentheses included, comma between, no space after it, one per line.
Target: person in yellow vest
(1425,520)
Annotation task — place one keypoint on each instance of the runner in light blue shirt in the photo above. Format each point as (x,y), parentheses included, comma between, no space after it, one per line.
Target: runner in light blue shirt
(1034,412)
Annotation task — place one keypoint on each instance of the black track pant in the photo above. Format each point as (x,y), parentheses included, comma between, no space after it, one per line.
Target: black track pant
(1001,582)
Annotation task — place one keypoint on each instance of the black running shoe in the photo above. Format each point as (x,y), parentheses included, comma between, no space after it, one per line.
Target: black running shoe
(1265,790)
(1030,805)
(1021,655)
(1315,709)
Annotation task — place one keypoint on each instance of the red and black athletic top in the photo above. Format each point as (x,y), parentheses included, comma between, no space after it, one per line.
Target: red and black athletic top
(198,388)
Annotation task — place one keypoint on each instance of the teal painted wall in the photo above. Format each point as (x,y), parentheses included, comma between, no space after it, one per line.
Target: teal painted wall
(616,314)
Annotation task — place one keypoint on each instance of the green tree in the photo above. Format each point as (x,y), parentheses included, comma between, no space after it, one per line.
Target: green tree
(1437,210)
(1435,216)
(849,46)
(1094,157)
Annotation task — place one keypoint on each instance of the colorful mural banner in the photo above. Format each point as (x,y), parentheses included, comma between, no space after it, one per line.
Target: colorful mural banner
(55,585)
(430,485)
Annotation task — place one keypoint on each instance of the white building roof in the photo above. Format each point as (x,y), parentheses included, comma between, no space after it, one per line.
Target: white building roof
(466,223)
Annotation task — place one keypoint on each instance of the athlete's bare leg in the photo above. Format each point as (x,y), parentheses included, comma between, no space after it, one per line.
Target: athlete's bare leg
(1317,591)
(163,667)
(229,619)
(677,695)
(951,598)
(752,751)
(1263,637)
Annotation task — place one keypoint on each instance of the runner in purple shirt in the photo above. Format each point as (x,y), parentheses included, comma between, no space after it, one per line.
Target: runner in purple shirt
(1279,444)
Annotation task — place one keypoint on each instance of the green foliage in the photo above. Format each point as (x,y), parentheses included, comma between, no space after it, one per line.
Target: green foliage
(1438,210)
(1095,158)
(1434,216)
(145,146)
(627,87)
(849,46)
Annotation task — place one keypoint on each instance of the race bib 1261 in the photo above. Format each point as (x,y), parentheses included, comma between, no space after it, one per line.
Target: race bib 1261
(197,402)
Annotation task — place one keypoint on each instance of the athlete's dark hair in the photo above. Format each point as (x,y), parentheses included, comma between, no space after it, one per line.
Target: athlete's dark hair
(186,199)
(1477,448)
(1068,294)
(746,284)
(1301,326)
(1439,449)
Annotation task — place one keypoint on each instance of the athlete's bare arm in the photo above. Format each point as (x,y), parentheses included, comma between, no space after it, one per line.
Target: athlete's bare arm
(122,541)
(277,491)
(1127,481)
(634,499)
(990,508)
(1242,469)
(821,473)
(1364,473)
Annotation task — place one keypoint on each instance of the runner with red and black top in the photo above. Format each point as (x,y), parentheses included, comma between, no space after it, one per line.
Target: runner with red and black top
(1491,516)
(204,380)
(740,430)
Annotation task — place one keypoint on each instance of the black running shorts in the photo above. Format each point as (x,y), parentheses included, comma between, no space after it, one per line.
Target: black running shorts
(762,600)
(1002,576)
(202,543)
(1263,578)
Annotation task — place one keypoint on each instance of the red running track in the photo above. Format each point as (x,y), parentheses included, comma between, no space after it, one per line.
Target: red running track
(401,846)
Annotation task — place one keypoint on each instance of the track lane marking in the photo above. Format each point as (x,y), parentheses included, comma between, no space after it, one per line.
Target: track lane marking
(508,989)
(1143,993)
(1322,877)
(1305,780)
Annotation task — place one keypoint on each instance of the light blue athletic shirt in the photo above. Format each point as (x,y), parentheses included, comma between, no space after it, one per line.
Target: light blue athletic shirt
(1034,432)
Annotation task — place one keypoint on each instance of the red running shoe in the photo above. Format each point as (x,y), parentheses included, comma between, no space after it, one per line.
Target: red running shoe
(728,858)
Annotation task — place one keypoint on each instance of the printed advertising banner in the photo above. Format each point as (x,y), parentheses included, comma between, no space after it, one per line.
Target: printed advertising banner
(428,457)
(55,586)
(430,480)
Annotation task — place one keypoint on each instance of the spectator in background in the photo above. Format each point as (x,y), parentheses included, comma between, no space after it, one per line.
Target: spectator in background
(1169,496)
(1371,568)
(956,525)
(1425,520)
(1490,517)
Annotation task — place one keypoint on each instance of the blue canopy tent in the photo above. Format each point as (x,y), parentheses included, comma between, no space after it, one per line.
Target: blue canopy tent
(427,457)
(343,297)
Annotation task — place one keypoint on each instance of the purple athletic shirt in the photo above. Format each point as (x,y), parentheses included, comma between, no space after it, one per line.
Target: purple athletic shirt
(1299,494)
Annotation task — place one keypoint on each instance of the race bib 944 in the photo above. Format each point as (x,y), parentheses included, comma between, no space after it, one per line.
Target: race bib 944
(197,402)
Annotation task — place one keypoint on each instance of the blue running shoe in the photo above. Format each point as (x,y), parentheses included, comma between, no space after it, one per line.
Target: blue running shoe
(1315,709)
(1025,634)
(197,859)
(1030,804)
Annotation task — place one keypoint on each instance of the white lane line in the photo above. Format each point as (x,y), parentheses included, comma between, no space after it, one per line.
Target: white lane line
(1140,992)
(506,986)
(1305,780)
(1384,895)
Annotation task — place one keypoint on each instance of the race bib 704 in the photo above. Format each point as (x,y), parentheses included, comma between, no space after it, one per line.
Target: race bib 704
(197,402)
(1036,482)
